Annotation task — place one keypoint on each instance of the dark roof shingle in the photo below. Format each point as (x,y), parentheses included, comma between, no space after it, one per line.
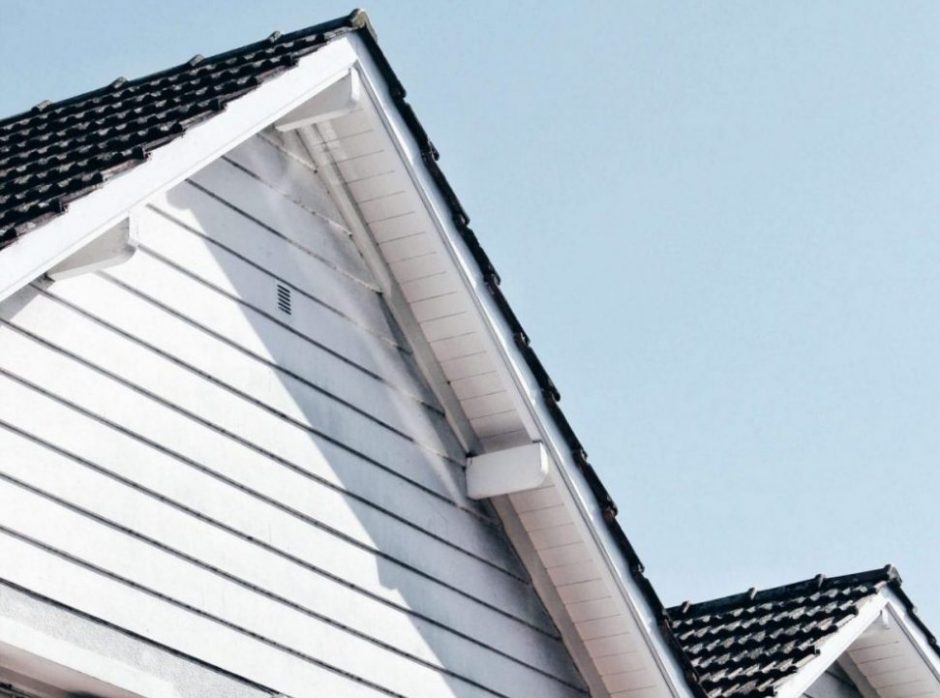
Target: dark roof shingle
(58,152)
(747,644)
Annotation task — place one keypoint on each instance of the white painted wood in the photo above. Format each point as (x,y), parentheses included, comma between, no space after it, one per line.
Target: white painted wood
(289,479)
(266,615)
(396,303)
(337,100)
(29,652)
(257,326)
(286,517)
(159,424)
(256,571)
(893,657)
(285,396)
(158,618)
(113,247)
(269,158)
(857,677)
(589,535)
(315,375)
(243,194)
(579,653)
(324,419)
(505,472)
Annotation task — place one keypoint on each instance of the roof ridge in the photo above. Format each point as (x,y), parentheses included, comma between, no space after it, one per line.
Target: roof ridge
(357,19)
(820,582)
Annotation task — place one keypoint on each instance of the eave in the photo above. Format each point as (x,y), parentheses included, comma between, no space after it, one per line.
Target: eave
(424,249)
(566,530)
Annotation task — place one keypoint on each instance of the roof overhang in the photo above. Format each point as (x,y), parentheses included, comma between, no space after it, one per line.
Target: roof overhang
(344,102)
(32,255)
(885,649)
(444,292)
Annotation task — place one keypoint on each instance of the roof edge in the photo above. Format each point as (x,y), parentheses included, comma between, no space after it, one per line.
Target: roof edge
(549,392)
(887,574)
(354,21)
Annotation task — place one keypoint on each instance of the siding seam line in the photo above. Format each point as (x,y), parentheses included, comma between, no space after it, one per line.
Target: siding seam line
(136,636)
(309,520)
(192,609)
(277,598)
(300,562)
(387,338)
(279,323)
(274,231)
(250,444)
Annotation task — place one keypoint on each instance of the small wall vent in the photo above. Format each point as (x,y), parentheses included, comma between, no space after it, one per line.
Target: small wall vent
(283,299)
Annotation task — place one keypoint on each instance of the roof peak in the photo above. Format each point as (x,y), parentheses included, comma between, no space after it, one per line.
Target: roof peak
(355,20)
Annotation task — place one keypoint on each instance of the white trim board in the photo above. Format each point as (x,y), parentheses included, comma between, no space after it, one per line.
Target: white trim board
(89,216)
(884,653)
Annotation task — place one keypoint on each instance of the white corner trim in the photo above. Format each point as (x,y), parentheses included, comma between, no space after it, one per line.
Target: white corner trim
(833,648)
(507,471)
(72,668)
(335,101)
(32,254)
(115,246)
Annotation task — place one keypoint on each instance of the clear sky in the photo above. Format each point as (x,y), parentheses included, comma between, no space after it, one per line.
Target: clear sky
(719,222)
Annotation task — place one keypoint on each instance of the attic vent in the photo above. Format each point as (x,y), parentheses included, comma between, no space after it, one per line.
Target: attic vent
(283,299)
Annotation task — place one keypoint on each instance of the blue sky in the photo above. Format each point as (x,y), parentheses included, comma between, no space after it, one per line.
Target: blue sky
(719,222)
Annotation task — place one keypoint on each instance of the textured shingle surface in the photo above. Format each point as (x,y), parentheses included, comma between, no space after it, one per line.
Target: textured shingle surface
(746,645)
(57,152)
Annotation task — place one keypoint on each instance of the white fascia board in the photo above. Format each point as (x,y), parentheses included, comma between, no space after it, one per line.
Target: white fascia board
(38,250)
(900,615)
(834,647)
(516,373)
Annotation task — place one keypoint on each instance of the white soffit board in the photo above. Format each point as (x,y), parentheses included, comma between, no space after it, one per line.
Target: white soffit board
(834,647)
(894,656)
(34,253)
(885,652)
(371,157)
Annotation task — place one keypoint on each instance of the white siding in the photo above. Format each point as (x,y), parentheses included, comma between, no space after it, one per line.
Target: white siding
(275,494)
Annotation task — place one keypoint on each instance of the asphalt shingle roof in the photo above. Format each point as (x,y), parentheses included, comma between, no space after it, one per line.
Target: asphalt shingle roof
(58,152)
(748,644)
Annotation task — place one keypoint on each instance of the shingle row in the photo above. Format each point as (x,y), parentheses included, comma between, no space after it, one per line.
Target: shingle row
(58,152)
(748,644)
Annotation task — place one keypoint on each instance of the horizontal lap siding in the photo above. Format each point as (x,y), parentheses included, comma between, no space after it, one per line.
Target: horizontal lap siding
(276,494)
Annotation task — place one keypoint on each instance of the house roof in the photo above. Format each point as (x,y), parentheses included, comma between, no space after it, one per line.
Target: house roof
(749,644)
(59,151)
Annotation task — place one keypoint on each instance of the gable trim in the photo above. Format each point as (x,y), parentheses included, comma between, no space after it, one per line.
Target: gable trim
(833,648)
(534,394)
(31,255)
